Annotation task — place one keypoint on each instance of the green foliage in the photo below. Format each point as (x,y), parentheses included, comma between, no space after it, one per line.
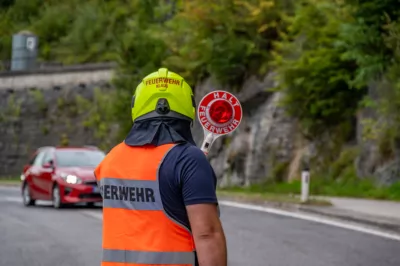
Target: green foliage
(325,52)
(279,171)
(64,140)
(6,3)
(228,39)
(12,110)
(343,166)
(39,100)
(349,187)
(45,130)
(386,131)
(363,38)
(331,52)
(340,179)
(312,71)
(97,114)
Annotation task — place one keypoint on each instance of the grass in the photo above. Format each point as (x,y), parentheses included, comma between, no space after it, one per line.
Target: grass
(269,197)
(350,187)
(10,180)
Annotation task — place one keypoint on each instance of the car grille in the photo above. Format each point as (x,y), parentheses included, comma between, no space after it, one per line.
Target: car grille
(67,190)
(90,195)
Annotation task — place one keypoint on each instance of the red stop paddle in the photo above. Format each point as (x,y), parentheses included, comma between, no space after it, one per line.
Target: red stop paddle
(219,113)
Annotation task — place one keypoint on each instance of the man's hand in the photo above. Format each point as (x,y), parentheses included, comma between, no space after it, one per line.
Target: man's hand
(208,234)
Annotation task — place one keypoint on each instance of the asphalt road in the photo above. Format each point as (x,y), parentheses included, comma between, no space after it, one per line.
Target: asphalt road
(42,236)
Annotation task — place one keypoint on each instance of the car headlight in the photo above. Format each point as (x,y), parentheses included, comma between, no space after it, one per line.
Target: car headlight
(71,179)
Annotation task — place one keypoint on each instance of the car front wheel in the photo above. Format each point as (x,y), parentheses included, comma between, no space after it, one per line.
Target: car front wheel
(26,196)
(57,197)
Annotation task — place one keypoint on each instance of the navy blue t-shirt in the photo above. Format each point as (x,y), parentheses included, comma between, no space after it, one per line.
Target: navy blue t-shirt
(186,177)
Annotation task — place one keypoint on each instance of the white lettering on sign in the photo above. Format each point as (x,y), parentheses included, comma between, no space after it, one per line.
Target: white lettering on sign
(211,127)
(219,130)
(201,110)
(231,99)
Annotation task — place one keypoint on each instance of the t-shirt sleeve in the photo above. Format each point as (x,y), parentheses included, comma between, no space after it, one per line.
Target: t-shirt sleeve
(197,177)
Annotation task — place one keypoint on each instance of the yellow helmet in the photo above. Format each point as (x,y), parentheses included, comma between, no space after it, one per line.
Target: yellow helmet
(163,94)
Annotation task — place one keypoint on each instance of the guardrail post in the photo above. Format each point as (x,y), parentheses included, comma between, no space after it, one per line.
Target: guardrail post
(305,183)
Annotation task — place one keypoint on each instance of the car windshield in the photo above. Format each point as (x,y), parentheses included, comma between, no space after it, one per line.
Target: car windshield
(79,158)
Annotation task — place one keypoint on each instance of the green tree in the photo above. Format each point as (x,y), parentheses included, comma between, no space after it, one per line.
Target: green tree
(363,37)
(313,74)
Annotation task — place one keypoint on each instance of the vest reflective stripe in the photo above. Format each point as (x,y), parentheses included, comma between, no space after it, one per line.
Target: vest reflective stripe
(130,194)
(136,229)
(148,257)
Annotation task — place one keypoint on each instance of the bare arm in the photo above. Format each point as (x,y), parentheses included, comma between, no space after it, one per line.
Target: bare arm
(208,234)
(198,184)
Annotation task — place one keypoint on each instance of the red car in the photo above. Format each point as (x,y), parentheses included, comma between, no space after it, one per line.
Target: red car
(63,175)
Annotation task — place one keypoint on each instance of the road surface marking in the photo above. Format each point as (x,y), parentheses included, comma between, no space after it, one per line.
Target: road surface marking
(301,216)
(311,218)
(19,200)
(306,217)
(12,199)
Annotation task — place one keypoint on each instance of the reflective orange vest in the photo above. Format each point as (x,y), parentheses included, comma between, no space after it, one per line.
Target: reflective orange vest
(136,229)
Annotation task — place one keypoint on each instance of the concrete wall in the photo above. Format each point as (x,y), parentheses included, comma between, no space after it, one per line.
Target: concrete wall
(42,107)
(56,76)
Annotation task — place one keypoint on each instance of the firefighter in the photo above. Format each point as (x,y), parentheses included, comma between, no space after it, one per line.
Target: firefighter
(158,188)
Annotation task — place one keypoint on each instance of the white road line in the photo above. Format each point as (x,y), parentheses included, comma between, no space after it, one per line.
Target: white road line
(301,216)
(311,218)
(19,200)
(11,199)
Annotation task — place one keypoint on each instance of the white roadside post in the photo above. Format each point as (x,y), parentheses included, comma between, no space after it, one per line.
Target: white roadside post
(305,184)
(219,113)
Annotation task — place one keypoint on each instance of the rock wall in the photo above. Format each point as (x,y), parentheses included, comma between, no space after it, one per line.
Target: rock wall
(267,143)
(378,157)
